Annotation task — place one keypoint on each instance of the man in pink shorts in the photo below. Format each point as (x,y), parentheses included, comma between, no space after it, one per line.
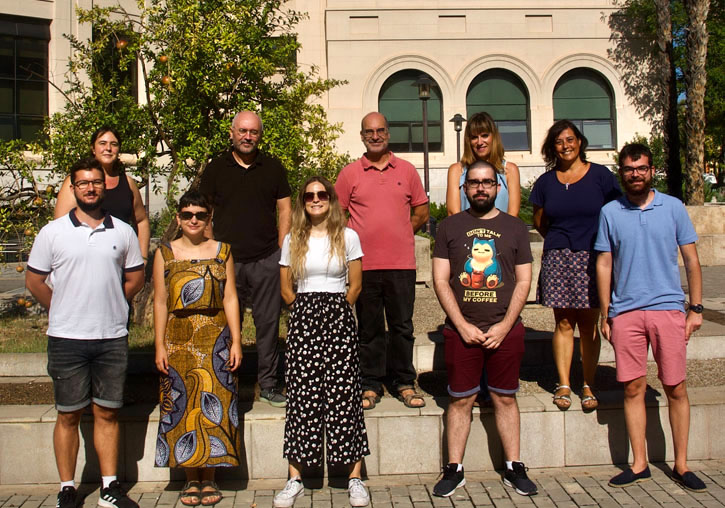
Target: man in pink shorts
(482,274)
(643,304)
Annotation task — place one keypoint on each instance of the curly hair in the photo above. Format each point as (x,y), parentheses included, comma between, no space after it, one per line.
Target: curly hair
(301,225)
(481,123)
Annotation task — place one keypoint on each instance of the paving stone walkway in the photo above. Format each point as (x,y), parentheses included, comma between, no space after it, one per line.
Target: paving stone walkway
(570,487)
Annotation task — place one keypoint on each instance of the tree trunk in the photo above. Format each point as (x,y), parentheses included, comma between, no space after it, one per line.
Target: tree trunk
(695,79)
(668,98)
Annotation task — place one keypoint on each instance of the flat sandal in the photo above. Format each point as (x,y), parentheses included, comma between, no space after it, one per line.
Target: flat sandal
(196,495)
(563,402)
(589,402)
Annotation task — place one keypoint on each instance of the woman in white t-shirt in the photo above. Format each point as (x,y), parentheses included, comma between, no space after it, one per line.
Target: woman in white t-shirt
(322,360)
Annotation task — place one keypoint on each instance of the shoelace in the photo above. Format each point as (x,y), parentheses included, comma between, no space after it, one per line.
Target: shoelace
(289,487)
(446,469)
(356,486)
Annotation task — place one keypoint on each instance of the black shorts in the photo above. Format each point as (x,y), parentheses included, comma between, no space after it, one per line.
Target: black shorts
(87,370)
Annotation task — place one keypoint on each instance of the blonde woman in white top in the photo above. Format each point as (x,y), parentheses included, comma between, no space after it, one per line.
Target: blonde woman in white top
(322,359)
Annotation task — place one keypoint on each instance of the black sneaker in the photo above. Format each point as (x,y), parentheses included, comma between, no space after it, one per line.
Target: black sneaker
(67,498)
(452,479)
(518,479)
(273,397)
(115,497)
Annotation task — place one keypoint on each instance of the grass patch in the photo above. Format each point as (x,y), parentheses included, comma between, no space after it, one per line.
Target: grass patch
(27,333)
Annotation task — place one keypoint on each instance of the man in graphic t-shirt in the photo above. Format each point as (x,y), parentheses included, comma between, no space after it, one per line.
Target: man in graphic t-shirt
(482,274)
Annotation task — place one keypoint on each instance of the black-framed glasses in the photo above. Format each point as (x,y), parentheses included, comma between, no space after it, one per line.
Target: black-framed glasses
(370,133)
(201,216)
(640,170)
(486,183)
(83,184)
(309,197)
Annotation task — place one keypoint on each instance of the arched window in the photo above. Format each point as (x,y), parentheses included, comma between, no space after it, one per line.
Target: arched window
(398,101)
(502,95)
(585,97)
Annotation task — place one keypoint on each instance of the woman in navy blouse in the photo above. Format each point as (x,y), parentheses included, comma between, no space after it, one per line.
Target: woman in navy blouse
(567,199)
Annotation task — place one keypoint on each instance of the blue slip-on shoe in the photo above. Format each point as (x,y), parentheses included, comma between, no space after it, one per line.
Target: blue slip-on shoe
(629,477)
(689,481)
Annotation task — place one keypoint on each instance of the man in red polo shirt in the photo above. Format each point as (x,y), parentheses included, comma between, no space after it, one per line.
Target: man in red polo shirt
(379,191)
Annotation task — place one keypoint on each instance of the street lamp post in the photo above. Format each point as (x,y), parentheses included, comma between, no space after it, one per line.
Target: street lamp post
(424,84)
(458,120)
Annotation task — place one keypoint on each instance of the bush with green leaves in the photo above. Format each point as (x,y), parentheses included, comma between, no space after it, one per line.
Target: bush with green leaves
(200,63)
(25,199)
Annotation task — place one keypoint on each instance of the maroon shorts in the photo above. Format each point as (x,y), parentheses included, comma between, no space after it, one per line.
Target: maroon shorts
(465,363)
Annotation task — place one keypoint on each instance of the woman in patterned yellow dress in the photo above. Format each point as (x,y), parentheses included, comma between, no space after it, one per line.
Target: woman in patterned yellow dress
(198,347)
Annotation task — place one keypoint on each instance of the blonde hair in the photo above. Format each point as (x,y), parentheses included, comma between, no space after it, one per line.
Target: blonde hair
(301,225)
(483,123)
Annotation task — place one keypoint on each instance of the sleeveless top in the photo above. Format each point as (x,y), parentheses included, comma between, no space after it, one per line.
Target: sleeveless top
(195,284)
(502,198)
(119,201)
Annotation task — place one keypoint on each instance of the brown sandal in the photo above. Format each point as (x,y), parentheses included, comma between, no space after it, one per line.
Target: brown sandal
(372,400)
(407,399)
(205,494)
(192,490)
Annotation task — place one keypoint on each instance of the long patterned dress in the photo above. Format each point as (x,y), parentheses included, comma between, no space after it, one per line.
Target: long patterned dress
(199,421)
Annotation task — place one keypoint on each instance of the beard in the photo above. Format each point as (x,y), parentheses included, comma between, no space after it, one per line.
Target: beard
(482,206)
(90,207)
(643,191)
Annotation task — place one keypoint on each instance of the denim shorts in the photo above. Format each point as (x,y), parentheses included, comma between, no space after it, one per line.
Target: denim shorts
(87,370)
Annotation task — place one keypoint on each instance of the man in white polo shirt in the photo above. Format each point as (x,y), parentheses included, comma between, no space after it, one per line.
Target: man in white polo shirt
(92,265)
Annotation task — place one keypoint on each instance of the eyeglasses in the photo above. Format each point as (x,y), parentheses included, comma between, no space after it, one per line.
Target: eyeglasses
(309,197)
(253,133)
(370,133)
(83,184)
(640,170)
(487,183)
(201,216)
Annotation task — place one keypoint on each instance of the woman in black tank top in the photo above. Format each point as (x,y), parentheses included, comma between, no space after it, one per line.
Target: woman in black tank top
(123,199)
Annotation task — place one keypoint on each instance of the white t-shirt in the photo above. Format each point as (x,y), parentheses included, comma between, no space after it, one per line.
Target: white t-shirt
(86,268)
(322,274)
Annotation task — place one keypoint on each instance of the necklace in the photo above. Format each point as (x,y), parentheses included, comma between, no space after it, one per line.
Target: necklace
(573,176)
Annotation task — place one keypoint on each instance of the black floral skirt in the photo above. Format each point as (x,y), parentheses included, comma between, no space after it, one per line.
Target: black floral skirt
(568,279)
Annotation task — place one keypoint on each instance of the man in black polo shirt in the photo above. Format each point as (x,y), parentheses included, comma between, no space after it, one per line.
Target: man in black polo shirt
(249,190)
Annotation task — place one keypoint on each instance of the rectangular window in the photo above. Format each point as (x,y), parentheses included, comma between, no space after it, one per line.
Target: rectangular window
(23,77)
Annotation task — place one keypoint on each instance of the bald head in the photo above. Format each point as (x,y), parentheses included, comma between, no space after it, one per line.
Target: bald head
(373,117)
(248,116)
(375,135)
(245,134)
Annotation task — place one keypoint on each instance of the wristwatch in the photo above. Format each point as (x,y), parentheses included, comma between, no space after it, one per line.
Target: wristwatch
(697,309)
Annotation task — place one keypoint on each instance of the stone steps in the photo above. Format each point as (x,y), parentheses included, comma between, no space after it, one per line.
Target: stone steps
(401,440)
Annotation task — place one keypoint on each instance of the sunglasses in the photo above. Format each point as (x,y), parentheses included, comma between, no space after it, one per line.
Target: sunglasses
(202,216)
(309,197)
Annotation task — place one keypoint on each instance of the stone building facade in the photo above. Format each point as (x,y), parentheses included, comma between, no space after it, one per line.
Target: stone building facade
(527,62)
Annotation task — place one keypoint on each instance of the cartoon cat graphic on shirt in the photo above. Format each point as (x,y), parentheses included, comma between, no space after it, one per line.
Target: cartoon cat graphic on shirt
(482,269)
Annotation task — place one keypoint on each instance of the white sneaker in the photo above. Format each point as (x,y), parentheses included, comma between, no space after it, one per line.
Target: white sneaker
(358,493)
(285,498)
